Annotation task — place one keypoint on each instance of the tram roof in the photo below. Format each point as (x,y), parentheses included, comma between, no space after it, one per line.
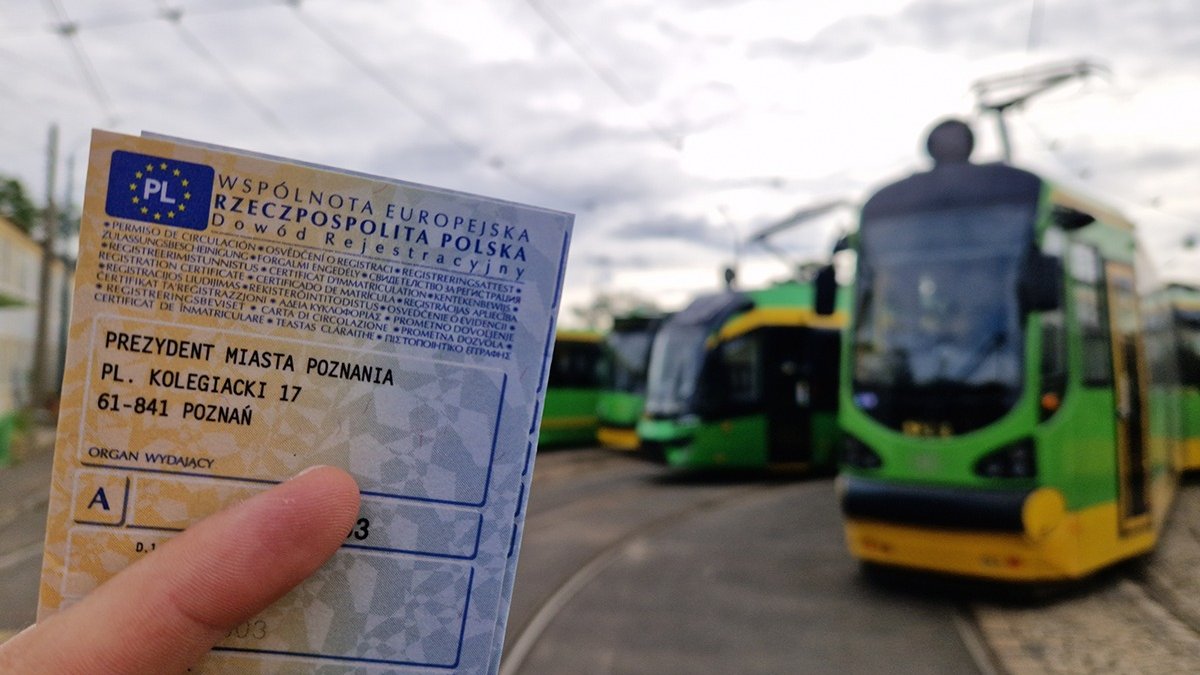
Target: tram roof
(577,336)
(712,309)
(964,184)
(1105,214)
(953,185)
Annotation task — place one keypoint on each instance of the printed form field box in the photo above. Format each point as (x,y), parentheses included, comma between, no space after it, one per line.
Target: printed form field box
(402,427)
(171,504)
(422,601)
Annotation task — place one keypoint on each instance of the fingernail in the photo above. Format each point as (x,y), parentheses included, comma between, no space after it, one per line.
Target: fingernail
(311,468)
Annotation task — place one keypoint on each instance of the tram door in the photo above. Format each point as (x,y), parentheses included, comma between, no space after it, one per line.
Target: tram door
(1129,382)
(788,395)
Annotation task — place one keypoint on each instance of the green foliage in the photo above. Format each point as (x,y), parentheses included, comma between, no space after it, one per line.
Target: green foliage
(15,204)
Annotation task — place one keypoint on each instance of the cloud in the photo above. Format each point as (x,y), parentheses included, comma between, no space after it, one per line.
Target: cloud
(969,27)
(778,103)
(679,230)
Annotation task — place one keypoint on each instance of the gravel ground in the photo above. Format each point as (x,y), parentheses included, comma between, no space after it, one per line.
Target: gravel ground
(1141,618)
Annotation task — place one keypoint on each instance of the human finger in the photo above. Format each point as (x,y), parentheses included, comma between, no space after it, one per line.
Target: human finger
(162,614)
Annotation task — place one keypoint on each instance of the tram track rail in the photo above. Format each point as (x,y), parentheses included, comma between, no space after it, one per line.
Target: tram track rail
(1138,616)
(586,532)
(605,502)
(531,632)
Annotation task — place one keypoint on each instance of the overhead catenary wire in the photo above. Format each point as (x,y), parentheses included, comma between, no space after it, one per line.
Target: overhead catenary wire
(1034,35)
(32,65)
(67,29)
(174,16)
(118,20)
(1088,175)
(354,58)
(1169,265)
(606,75)
(428,116)
(1033,42)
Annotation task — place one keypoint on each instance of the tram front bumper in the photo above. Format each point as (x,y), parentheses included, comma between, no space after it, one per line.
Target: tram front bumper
(1023,535)
(618,437)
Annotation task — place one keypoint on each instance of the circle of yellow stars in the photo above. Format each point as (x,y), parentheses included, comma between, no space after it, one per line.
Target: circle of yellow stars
(158,215)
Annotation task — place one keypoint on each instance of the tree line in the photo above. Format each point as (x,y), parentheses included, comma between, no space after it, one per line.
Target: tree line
(16,205)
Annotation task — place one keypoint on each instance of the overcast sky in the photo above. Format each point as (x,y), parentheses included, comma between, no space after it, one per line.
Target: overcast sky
(673,129)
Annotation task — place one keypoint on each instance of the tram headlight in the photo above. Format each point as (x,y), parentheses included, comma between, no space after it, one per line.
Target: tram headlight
(857,454)
(1017,460)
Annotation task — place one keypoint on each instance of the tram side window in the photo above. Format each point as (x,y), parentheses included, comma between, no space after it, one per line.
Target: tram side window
(1054,333)
(1160,359)
(1092,314)
(743,372)
(576,365)
(825,348)
(1054,348)
(1189,355)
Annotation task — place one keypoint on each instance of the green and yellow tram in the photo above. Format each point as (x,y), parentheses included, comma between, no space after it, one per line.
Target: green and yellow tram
(1002,419)
(1184,307)
(577,375)
(623,398)
(745,380)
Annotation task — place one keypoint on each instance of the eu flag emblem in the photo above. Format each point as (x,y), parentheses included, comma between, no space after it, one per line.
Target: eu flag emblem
(158,190)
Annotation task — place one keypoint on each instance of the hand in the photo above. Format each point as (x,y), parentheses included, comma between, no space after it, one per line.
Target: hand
(164,612)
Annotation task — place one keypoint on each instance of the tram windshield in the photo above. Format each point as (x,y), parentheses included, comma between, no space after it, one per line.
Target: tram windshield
(937,317)
(675,364)
(629,352)
(576,365)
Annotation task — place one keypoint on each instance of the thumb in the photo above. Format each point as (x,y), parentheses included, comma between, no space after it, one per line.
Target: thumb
(163,613)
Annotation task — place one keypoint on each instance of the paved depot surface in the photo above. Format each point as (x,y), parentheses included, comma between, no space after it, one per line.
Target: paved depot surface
(24,497)
(1138,619)
(1144,618)
(734,588)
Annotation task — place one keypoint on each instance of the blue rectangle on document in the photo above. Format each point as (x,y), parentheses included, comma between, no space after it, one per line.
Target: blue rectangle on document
(159,190)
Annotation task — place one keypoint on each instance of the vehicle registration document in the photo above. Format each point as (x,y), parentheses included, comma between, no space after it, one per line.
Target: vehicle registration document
(238,318)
